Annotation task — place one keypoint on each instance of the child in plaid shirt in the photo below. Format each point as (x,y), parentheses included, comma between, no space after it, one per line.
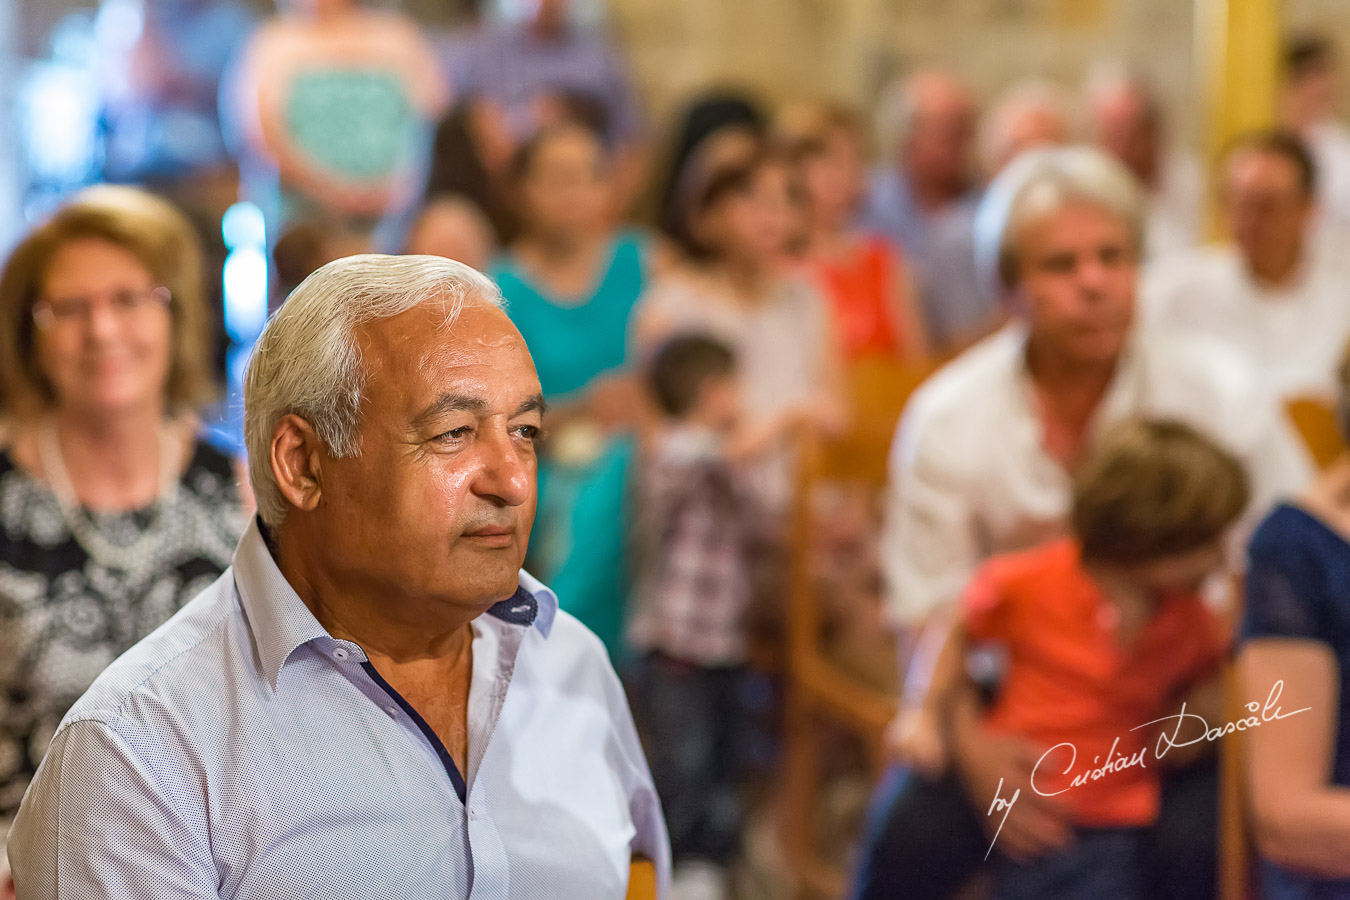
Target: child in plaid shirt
(701,534)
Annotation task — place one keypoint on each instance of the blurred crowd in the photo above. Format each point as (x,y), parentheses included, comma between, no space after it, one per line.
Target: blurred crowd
(1101,454)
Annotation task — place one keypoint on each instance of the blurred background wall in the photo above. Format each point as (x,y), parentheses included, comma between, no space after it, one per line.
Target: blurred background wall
(840,49)
(847,48)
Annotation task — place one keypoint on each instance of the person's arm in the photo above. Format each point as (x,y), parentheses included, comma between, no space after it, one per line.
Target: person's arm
(993,765)
(650,839)
(655,318)
(829,407)
(928,548)
(1302,822)
(930,540)
(99,821)
(904,310)
(425,77)
(922,730)
(919,735)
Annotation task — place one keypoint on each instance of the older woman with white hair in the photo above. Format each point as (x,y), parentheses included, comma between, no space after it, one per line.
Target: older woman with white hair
(112,513)
(375,700)
(981,466)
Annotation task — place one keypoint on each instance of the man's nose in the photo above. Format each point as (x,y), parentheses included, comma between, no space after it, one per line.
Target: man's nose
(1092,275)
(507,474)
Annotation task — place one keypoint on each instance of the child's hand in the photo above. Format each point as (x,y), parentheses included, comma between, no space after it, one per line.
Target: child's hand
(914,738)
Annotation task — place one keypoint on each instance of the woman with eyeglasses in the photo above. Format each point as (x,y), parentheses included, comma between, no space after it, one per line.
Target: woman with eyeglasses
(112,514)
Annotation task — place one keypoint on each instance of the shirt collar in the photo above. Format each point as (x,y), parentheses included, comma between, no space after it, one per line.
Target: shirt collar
(541,602)
(277,617)
(1123,395)
(280,621)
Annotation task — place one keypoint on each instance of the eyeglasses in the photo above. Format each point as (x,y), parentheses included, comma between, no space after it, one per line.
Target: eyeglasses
(125,304)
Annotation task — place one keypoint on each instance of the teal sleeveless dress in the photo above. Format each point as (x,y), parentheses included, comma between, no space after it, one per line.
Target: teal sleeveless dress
(579,543)
(357,122)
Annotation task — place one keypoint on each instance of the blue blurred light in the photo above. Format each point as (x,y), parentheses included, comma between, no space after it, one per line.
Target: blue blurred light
(243,226)
(245,284)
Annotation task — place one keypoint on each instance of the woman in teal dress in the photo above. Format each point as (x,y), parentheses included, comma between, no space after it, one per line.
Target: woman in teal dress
(571,281)
(333,102)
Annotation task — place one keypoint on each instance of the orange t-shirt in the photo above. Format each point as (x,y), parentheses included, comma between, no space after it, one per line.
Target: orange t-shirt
(858,290)
(1068,681)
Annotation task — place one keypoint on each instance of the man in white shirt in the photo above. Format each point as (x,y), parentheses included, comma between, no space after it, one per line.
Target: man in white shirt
(1128,122)
(1277,293)
(1308,102)
(374,700)
(980,466)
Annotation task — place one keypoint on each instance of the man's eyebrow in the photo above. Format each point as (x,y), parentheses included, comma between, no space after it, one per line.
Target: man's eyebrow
(533,404)
(447,403)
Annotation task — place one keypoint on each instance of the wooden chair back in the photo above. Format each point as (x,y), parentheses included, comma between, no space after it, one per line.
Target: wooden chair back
(819,690)
(641,880)
(1315,421)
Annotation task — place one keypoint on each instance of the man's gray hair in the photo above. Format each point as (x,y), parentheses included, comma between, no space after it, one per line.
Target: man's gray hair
(900,105)
(307,361)
(1038,183)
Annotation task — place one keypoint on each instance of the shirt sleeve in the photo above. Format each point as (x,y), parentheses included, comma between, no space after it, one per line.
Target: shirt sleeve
(99,823)
(650,839)
(1278,604)
(928,543)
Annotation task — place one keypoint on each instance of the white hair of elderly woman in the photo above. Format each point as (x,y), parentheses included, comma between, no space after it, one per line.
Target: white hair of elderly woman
(307,361)
(1039,183)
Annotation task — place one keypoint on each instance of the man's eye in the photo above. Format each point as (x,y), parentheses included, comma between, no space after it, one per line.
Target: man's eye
(530,432)
(454,434)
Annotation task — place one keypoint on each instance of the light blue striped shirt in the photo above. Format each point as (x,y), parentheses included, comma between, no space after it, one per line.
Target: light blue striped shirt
(241,752)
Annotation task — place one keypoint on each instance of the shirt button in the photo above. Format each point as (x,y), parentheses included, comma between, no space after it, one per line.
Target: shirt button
(392,710)
(340,653)
(473,813)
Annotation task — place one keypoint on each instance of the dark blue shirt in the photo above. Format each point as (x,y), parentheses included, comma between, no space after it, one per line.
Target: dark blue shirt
(1298,586)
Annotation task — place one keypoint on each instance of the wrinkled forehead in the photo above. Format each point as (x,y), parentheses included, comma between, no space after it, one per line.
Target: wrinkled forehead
(419,350)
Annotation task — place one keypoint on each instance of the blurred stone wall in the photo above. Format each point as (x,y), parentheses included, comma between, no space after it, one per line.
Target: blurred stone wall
(846,49)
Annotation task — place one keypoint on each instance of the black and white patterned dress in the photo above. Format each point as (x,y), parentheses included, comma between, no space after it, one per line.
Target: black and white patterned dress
(65,616)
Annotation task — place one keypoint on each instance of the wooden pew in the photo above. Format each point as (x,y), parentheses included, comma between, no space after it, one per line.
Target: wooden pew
(818,690)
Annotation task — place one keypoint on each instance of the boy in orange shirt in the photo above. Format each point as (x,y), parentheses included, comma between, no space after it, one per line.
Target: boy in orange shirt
(1102,632)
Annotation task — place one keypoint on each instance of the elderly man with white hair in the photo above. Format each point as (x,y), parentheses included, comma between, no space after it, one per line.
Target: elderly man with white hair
(980,466)
(374,700)
(923,198)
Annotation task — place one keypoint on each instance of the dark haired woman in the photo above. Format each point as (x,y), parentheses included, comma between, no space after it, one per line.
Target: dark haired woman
(571,281)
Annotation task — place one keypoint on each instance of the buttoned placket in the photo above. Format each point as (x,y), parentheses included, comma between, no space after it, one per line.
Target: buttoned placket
(495,649)
(488,691)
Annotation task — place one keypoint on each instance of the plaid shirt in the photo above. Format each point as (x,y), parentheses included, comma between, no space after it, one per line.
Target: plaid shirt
(701,530)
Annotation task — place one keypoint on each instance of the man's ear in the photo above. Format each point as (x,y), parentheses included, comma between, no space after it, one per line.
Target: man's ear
(295,456)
